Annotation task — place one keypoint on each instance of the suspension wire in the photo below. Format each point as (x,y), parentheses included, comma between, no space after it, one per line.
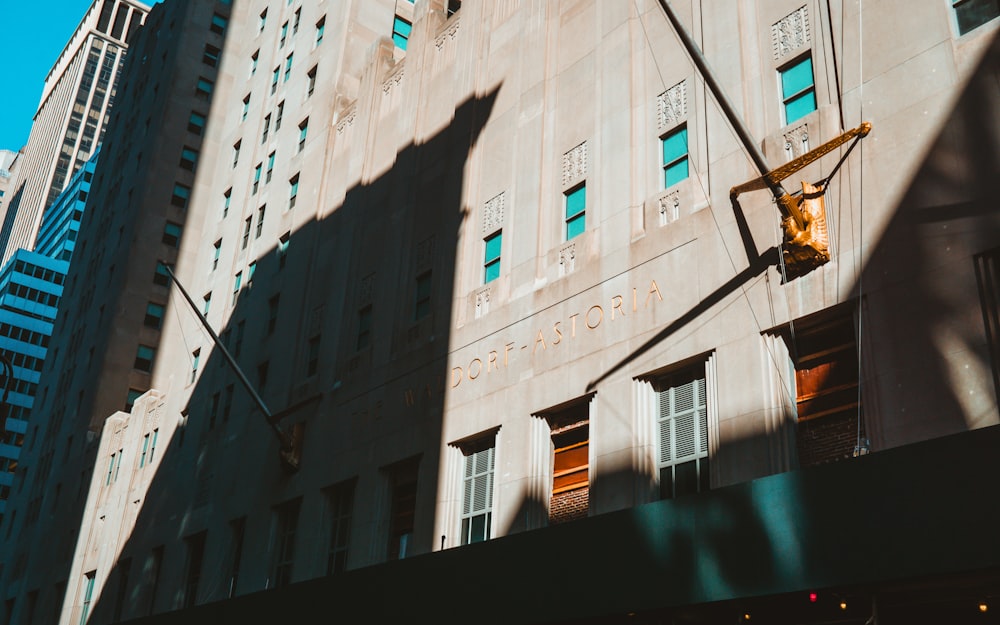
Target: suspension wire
(861,217)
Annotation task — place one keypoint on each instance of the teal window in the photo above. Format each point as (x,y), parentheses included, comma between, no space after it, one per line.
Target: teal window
(181,195)
(491,262)
(311,85)
(422,304)
(154,316)
(237,283)
(189,158)
(477,505)
(171,234)
(88,592)
(256,178)
(320,29)
(160,276)
(282,249)
(226,198)
(253,62)
(576,211)
(196,123)
(144,358)
(288,66)
(675,157)
(971,14)
(400,32)
(145,450)
(260,220)
(284,35)
(152,444)
(247,229)
(251,269)
(236,152)
(131,397)
(297,21)
(262,21)
(274,79)
(207,299)
(278,115)
(303,132)
(293,190)
(270,167)
(216,251)
(267,129)
(798,93)
(218,24)
(211,55)
(195,359)
(204,87)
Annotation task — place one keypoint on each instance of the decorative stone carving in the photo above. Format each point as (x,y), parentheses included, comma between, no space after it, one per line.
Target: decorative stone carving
(797,141)
(670,207)
(567,259)
(790,33)
(367,286)
(493,212)
(448,34)
(575,164)
(425,253)
(394,79)
(347,119)
(671,105)
(482,302)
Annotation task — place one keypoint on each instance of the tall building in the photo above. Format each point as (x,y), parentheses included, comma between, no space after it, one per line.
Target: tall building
(69,123)
(8,159)
(489,269)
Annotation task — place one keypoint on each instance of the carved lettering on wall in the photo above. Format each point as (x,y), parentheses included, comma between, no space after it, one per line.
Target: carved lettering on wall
(493,212)
(671,105)
(790,33)
(575,164)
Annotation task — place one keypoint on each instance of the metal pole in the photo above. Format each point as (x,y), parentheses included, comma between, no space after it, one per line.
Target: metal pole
(286,444)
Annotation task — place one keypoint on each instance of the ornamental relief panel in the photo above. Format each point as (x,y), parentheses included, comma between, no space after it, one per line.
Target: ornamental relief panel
(671,106)
(575,164)
(493,210)
(790,33)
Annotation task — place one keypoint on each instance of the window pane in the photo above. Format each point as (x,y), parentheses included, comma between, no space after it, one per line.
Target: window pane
(492,271)
(575,226)
(675,146)
(576,201)
(493,247)
(800,107)
(796,78)
(973,13)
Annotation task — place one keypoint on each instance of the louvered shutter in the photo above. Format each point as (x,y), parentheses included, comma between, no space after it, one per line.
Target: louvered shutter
(682,428)
(477,499)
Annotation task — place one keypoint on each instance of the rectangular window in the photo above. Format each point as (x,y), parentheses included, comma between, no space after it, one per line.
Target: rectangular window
(282,250)
(237,529)
(576,211)
(422,303)
(971,14)
(675,157)
(284,35)
(195,359)
(682,427)
(830,417)
(152,444)
(251,269)
(144,358)
(262,21)
(297,20)
(154,316)
(278,115)
(160,275)
(340,502)
(237,283)
(272,313)
(491,262)
(196,123)
(207,299)
(400,32)
(219,23)
(274,79)
(320,29)
(88,595)
(288,67)
(246,108)
(145,450)
(402,507)
(293,190)
(227,403)
(253,62)
(311,85)
(256,178)
(364,327)
(267,129)
(236,152)
(312,360)
(247,229)
(286,521)
(260,220)
(189,158)
(213,412)
(303,131)
(226,199)
(570,432)
(211,55)
(216,251)
(181,195)
(270,168)
(477,492)
(192,576)
(798,93)
(204,87)
(262,370)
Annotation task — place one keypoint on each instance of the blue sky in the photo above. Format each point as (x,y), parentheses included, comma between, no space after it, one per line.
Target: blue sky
(32,34)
